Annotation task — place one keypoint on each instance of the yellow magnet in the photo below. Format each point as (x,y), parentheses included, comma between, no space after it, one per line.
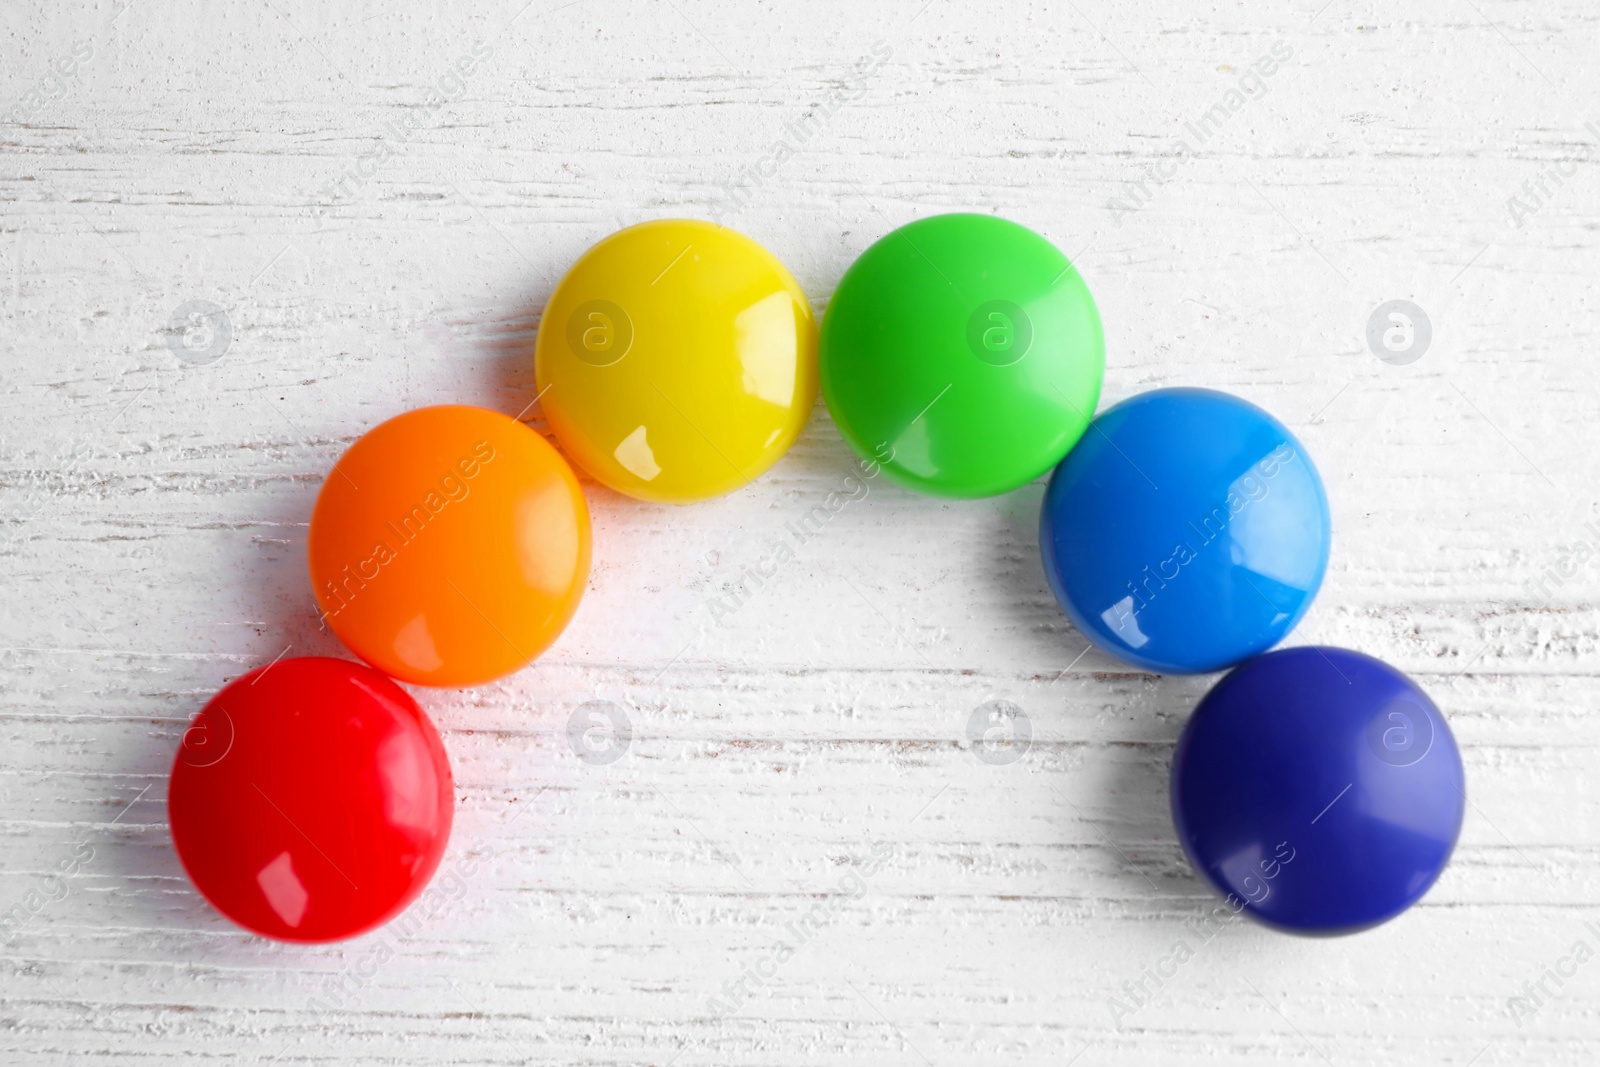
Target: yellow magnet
(676,361)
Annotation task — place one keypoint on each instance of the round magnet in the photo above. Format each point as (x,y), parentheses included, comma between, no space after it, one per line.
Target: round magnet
(676,361)
(310,800)
(1318,789)
(449,546)
(1186,532)
(963,353)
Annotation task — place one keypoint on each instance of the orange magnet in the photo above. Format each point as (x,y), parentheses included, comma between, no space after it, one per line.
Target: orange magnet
(449,546)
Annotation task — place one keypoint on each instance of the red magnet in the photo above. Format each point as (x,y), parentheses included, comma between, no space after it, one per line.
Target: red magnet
(311,800)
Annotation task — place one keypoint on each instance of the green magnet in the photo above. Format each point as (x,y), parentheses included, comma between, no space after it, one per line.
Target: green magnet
(963,353)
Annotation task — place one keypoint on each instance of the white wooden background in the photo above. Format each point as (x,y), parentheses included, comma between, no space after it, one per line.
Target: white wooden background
(153,520)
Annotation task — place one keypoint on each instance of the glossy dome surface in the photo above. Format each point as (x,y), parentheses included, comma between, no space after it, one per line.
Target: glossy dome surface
(311,800)
(1319,789)
(1186,532)
(964,353)
(676,361)
(449,546)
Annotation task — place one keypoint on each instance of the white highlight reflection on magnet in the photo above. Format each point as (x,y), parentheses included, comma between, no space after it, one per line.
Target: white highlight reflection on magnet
(285,893)
(1121,620)
(414,645)
(765,333)
(635,455)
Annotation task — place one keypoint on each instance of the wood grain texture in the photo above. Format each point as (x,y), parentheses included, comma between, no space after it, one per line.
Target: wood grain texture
(153,519)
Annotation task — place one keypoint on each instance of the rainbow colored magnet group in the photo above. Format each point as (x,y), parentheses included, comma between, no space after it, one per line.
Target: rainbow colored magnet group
(1183,531)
